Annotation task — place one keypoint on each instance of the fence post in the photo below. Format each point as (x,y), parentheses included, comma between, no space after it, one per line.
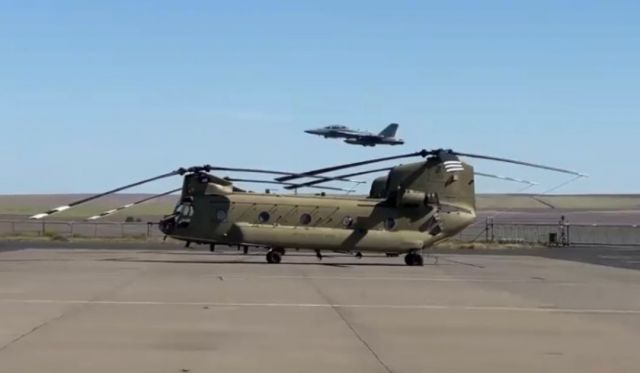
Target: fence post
(486,229)
(492,226)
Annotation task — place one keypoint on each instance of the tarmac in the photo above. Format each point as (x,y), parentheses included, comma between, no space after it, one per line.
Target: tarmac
(107,308)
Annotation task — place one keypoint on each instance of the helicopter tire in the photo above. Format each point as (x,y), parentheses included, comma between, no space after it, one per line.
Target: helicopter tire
(212,247)
(274,257)
(414,260)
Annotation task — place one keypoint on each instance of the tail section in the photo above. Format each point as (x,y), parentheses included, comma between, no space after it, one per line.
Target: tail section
(390,131)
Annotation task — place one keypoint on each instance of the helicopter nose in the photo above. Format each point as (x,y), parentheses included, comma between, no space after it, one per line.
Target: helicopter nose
(167,225)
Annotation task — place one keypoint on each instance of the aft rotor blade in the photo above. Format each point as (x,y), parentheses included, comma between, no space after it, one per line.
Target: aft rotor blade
(114,211)
(328,178)
(521,163)
(282,183)
(88,199)
(260,171)
(506,178)
(422,153)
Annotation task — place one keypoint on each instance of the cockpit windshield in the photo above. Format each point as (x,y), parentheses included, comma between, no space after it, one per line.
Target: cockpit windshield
(184,210)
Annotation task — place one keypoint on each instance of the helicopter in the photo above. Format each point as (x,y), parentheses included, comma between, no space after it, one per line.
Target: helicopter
(411,208)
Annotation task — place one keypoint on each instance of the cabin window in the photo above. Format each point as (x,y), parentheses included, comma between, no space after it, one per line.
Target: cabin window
(389,223)
(264,217)
(305,219)
(221,215)
(347,221)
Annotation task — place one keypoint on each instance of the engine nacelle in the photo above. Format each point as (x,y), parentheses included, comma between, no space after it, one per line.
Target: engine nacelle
(411,198)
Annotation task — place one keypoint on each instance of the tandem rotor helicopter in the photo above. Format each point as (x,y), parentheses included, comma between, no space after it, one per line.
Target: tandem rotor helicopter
(411,208)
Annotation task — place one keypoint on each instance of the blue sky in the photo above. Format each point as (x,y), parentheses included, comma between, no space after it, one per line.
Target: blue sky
(96,95)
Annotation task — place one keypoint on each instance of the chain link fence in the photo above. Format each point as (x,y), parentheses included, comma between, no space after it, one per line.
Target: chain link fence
(71,229)
(559,234)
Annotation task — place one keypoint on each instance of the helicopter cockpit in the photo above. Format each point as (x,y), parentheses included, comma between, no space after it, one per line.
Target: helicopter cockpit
(183,213)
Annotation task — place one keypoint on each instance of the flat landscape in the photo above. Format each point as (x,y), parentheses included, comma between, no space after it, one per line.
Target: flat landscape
(160,308)
(583,209)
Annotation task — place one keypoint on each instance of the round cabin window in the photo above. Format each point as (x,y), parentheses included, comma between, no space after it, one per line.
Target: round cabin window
(305,219)
(264,217)
(347,221)
(221,215)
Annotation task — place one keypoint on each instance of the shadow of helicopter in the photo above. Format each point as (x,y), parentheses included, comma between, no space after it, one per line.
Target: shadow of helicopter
(241,262)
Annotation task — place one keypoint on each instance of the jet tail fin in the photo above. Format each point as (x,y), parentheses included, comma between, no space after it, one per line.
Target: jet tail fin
(390,130)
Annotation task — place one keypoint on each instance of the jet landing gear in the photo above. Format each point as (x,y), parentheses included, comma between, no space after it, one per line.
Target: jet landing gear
(414,259)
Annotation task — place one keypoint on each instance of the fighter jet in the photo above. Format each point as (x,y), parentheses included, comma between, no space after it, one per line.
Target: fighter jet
(356,137)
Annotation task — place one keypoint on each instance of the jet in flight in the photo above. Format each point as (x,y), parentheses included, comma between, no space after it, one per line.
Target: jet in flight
(356,137)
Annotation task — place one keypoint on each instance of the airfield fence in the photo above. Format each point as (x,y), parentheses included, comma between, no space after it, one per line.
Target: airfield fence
(483,231)
(80,229)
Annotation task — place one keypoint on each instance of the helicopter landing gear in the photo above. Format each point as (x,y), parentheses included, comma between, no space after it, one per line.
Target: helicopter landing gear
(212,247)
(358,255)
(280,250)
(187,244)
(245,249)
(274,257)
(318,255)
(414,259)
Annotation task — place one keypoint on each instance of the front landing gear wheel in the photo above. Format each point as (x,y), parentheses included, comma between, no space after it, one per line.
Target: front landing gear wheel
(274,257)
(414,260)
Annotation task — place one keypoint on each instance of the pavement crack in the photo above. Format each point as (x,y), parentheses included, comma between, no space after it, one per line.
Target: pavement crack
(344,319)
(33,330)
(70,310)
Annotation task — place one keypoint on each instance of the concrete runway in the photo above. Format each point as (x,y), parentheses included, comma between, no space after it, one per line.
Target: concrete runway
(147,309)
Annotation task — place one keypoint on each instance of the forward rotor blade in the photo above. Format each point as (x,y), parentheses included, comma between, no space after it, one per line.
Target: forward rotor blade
(423,153)
(260,171)
(328,178)
(282,183)
(506,178)
(88,199)
(513,161)
(114,211)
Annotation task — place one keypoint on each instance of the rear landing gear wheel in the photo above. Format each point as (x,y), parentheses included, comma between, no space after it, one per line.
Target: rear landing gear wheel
(414,260)
(274,257)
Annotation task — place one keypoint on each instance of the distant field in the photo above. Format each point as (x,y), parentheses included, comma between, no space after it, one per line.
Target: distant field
(564,202)
(16,206)
(26,205)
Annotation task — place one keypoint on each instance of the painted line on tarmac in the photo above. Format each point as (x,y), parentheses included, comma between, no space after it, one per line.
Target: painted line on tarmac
(424,307)
(416,279)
